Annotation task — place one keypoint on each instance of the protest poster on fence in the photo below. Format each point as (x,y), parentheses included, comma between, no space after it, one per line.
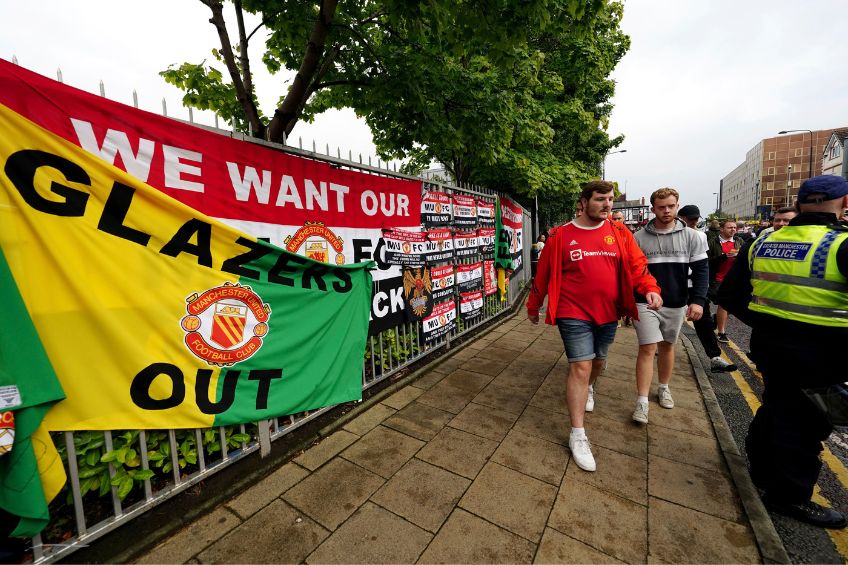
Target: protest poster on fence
(490,278)
(471,305)
(512,231)
(405,248)
(464,212)
(440,246)
(486,242)
(465,245)
(443,279)
(417,292)
(436,207)
(485,213)
(469,277)
(441,322)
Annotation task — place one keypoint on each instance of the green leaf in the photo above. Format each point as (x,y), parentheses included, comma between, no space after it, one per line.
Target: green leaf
(109,456)
(125,487)
(142,474)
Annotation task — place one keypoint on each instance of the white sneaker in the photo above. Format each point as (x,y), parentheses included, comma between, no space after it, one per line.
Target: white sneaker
(590,401)
(664,398)
(719,364)
(581,451)
(640,414)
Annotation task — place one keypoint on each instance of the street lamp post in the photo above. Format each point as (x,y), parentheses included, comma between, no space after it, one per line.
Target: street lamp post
(717,204)
(604,162)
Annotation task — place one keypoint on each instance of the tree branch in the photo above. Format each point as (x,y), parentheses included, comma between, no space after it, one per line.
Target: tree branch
(286,116)
(244,97)
(243,42)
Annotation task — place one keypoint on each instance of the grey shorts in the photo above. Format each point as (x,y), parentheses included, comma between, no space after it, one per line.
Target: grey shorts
(655,326)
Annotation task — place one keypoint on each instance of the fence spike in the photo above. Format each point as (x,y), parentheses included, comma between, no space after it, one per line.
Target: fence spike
(300,142)
(285,137)
(190,116)
(216,121)
(14,60)
(59,74)
(350,154)
(164,107)
(135,99)
(102,89)
(328,149)
(313,147)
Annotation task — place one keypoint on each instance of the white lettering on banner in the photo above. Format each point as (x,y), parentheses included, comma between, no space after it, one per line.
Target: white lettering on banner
(289,193)
(175,168)
(395,302)
(387,203)
(250,181)
(116,143)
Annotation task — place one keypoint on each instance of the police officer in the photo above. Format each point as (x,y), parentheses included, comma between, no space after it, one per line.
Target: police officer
(792,289)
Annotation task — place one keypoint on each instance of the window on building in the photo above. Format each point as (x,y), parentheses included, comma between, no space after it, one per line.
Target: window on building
(835,151)
(768,200)
(770,171)
(769,186)
(799,152)
(771,155)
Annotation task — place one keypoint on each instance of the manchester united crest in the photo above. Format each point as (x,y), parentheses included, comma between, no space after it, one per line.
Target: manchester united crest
(417,291)
(225,325)
(609,240)
(317,241)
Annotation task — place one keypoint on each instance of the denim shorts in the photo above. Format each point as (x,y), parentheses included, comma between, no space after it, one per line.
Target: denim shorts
(585,340)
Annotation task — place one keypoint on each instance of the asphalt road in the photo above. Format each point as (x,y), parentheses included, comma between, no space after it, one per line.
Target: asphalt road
(739,394)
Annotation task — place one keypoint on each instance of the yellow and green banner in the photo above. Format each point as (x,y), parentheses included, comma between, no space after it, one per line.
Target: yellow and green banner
(149,314)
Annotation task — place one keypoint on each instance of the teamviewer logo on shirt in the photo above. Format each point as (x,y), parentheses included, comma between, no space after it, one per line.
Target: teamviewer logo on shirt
(576,254)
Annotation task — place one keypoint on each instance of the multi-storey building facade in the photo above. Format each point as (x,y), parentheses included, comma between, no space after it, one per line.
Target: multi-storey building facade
(772,173)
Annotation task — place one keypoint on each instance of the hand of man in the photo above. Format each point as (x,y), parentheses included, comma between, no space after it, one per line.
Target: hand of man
(654,300)
(694,312)
(534,318)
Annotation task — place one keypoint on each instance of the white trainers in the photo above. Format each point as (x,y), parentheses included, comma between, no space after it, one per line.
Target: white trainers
(640,414)
(719,364)
(581,451)
(590,400)
(664,398)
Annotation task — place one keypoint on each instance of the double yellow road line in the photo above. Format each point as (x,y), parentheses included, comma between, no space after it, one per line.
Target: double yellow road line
(836,466)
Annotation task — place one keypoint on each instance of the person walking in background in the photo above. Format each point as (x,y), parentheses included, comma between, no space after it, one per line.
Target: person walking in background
(729,244)
(589,271)
(617,216)
(535,252)
(672,250)
(791,287)
(781,218)
(704,325)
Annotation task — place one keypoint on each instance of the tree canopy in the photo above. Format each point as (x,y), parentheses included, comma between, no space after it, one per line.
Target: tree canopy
(510,95)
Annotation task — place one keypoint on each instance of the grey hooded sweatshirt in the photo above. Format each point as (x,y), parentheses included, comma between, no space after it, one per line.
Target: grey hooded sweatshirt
(670,257)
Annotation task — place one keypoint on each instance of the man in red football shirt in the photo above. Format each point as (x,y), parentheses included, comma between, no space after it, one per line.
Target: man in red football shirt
(589,270)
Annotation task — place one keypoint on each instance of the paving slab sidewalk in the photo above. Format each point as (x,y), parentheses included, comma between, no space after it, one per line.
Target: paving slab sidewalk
(470,464)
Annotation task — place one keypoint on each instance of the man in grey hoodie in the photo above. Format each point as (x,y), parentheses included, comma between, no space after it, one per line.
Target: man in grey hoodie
(672,250)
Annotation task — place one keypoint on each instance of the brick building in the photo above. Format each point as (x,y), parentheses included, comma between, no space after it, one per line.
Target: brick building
(772,173)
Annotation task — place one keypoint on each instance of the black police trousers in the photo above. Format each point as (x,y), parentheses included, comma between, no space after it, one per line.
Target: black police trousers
(785,438)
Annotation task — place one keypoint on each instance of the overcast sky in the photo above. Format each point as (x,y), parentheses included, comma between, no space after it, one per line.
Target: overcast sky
(702,83)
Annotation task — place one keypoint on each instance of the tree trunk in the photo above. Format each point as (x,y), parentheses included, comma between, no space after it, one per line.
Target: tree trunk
(286,116)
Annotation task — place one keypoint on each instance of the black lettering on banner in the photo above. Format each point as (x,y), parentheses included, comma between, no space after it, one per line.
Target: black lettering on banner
(282,266)
(316,273)
(264,376)
(344,284)
(140,387)
(235,265)
(181,242)
(21,168)
(115,212)
(201,391)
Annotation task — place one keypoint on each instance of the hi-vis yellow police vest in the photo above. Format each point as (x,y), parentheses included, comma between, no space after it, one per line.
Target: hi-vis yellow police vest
(795,276)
